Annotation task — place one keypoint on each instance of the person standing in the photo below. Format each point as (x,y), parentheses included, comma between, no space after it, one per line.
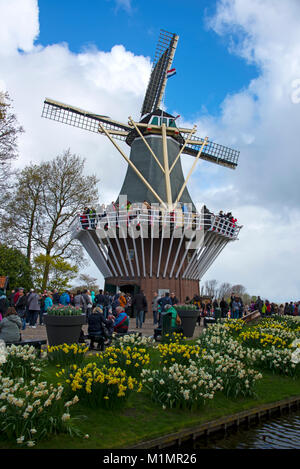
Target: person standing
(48,303)
(64,298)
(259,304)
(224,308)
(42,306)
(165,300)
(55,297)
(21,308)
(88,305)
(33,303)
(78,300)
(235,308)
(155,308)
(4,303)
(140,304)
(11,298)
(174,299)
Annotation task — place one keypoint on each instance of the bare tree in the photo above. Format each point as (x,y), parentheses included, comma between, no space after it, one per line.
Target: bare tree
(65,192)
(224,290)
(238,290)
(42,205)
(9,131)
(211,288)
(23,209)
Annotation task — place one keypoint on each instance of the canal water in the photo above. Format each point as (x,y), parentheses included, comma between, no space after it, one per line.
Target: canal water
(277,433)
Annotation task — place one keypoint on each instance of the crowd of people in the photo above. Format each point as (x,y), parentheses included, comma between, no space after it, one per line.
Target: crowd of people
(107,312)
(236,309)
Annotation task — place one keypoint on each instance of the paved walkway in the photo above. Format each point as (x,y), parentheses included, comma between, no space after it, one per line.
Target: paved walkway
(147,330)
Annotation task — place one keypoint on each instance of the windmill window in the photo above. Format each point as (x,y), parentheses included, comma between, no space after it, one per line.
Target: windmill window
(154,120)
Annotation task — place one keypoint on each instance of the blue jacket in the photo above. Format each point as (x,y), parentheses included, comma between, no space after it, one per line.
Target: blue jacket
(48,303)
(64,299)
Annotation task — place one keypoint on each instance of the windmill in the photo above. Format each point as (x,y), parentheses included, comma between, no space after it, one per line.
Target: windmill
(147,250)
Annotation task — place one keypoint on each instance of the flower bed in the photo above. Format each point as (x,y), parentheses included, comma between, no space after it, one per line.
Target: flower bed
(226,364)
(100,387)
(181,386)
(66,354)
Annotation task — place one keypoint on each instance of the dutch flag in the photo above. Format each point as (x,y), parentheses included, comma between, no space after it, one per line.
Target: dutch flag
(171,72)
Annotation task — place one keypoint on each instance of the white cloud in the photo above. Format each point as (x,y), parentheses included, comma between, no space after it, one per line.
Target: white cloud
(19,25)
(262,121)
(110,83)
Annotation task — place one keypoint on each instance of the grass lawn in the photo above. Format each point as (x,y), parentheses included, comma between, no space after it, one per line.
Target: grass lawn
(141,419)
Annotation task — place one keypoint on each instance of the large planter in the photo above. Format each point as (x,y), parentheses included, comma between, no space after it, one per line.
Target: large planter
(63,329)
(188,321)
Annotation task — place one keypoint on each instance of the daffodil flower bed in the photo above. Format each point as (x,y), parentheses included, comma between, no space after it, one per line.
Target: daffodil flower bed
(30,412)
(182,354)
(99,386)
(237,379)
(66,354)
(181,386)
(174,337)
(135,340)
(132,359)
(255,347)
(21,361)
(260,339)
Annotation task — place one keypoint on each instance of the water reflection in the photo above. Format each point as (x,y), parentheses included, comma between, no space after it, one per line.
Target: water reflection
(279,433)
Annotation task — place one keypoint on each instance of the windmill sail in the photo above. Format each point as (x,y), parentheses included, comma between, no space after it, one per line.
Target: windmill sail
(76,117)
(212,152)
(164,55)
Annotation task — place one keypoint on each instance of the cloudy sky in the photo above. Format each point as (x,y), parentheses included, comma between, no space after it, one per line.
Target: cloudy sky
(238,79)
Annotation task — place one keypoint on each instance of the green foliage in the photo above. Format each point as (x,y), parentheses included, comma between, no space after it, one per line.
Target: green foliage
(16,266)
(61,272)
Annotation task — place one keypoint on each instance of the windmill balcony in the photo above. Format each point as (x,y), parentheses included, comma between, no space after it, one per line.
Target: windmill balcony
(153,221)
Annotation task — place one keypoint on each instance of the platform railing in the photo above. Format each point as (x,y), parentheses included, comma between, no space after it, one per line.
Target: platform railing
(153,219)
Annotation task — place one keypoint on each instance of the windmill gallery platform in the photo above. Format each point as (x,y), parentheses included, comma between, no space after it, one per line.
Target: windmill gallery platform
(153,238)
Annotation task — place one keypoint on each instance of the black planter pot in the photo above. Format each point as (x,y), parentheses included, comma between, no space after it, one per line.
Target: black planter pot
(188,321)
(63,329)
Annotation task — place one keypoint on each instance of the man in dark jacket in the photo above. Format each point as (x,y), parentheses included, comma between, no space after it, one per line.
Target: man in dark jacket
(174,299)
(139,302)
(100,299)
(165,300)
(55,297)
(259,304)
(21,308)
(224,308)
(4,303)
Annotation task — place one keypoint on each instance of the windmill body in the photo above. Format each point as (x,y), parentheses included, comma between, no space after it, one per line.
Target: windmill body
(153,238)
